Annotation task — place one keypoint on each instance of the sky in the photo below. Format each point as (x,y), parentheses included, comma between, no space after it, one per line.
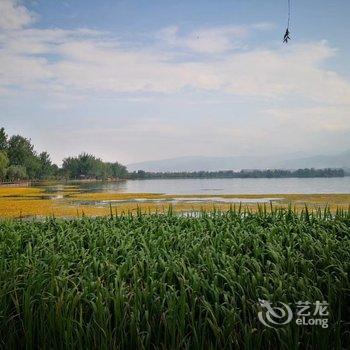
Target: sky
(131,80)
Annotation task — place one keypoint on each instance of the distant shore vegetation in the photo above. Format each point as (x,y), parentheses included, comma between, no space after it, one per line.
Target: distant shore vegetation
(243,174)
(20,161)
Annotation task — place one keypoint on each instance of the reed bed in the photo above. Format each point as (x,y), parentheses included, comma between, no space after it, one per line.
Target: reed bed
(166,281)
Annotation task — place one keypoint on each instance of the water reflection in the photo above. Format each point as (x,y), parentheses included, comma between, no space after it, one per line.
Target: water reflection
(208,186)
(177,200)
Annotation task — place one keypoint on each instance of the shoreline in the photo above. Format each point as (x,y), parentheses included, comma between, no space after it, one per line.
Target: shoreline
(18,202)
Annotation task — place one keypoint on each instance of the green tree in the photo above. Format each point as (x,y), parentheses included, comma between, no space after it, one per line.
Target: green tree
(4,162)
(16,172)
(83,166)
(118,171)
(70,167)
(21,152)
(141,174)
(88,166)
(3,140)
(46,168)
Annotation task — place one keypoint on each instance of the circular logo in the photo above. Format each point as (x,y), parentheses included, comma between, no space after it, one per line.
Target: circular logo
(272,316)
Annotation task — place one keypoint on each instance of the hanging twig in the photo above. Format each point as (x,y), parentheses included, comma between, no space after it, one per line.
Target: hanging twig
(287,33)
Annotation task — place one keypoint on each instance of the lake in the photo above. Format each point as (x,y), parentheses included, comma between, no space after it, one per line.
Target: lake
(185,195)
(225,186)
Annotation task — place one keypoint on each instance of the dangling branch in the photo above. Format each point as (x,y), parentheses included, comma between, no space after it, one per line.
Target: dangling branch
(287,33)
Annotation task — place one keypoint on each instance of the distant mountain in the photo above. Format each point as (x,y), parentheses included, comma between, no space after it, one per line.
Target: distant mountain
(286,161)
(341,160)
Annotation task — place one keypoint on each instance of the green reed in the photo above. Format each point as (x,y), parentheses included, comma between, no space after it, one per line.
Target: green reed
(172,282)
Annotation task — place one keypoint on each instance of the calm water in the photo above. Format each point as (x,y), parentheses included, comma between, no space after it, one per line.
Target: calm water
(226,186)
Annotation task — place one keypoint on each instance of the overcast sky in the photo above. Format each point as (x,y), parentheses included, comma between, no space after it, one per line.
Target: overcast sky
(135,80)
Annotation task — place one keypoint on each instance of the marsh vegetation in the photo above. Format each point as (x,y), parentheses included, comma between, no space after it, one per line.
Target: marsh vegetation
(172,282)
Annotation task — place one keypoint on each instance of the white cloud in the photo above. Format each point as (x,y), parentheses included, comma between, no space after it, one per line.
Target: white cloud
(284,72)
(14,16)
(317,119)
(216,62)
(211,40)
(84,61)
(204,40)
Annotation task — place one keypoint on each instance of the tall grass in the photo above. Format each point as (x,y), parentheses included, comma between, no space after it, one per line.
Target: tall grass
(172,282)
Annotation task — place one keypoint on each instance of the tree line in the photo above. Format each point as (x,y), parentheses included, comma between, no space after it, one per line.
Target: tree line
(243,174)
(20,161)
